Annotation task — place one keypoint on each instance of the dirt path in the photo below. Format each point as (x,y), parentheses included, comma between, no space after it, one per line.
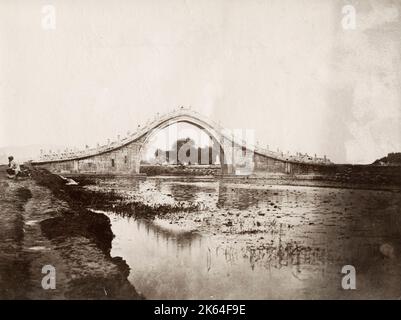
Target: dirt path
(38,229)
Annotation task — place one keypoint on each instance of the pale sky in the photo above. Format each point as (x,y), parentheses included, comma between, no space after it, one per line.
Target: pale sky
(284,68)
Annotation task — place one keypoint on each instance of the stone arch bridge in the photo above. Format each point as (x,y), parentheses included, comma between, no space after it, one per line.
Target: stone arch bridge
(123,156)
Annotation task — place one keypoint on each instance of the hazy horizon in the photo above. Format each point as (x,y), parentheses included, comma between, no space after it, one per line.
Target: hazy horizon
(286,69)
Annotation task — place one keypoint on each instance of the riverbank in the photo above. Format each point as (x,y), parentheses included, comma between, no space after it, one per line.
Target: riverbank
(177,170)
(40,224)
(197,237)
(206,237)
(366,177)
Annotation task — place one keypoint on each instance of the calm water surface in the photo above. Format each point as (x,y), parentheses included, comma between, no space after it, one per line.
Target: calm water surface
(284,242)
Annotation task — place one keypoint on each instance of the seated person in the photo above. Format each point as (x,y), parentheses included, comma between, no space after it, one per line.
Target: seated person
(13,168)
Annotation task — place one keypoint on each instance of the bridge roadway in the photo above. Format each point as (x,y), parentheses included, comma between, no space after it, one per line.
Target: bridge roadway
(237,155)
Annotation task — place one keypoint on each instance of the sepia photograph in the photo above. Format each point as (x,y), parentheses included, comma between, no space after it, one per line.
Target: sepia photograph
(200,150)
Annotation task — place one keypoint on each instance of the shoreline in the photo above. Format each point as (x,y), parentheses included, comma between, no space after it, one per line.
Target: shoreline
(45,222)
(42,225)
(281,180)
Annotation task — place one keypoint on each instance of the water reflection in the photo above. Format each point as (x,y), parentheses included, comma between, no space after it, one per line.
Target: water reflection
(256,241)
(168,264)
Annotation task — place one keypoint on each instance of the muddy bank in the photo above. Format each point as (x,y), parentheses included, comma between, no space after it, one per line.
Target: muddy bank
(339,176)
(368,177)
(293,239)
(41,224)
(177,170)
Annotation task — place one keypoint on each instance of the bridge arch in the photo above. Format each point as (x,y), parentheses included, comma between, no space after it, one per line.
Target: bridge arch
(123,156)
(197,122)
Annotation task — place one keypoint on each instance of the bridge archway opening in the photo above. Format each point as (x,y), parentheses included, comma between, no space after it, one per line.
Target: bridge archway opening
(181,145)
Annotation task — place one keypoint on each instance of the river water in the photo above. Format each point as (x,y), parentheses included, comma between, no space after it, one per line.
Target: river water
(254,240)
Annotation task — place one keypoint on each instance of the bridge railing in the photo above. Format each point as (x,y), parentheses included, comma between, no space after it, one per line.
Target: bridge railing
(150,124)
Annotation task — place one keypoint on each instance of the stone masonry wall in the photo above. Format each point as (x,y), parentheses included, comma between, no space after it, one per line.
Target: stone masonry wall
(125,160)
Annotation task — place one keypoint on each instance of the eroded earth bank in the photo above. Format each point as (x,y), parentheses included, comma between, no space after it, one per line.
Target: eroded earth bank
(40,224)
(197,238)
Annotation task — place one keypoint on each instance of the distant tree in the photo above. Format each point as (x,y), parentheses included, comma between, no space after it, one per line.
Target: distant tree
(160,156)
(181,142)
(393,158)
(184,150)
(158,152)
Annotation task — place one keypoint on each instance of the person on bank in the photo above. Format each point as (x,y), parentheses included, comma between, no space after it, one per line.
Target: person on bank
(14,168)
